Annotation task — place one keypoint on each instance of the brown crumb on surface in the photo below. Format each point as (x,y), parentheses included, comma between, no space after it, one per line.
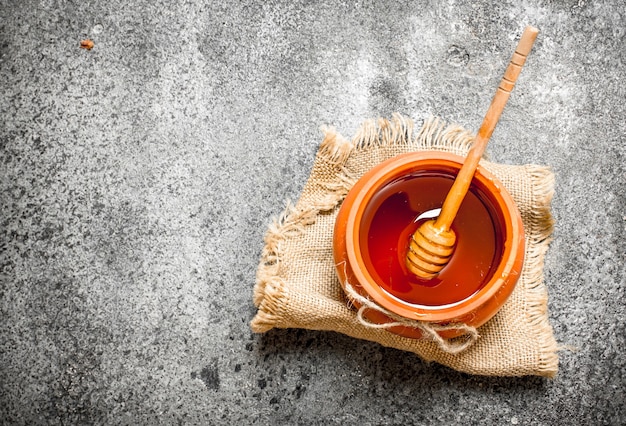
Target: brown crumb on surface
(86,44)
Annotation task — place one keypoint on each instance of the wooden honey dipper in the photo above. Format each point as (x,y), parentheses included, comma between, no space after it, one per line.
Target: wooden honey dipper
(432,244)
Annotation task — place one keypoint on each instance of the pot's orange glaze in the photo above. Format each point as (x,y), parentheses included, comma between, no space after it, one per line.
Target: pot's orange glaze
(377,218)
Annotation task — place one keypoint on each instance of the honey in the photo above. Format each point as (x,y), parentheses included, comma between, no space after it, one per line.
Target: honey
(389,219)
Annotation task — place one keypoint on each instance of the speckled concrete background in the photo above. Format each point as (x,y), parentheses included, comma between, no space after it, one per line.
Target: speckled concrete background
(138,178)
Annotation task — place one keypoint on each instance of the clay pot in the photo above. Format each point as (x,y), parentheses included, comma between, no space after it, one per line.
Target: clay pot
(465,296)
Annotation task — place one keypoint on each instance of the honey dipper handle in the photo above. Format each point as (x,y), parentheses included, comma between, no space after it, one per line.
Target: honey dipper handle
(464,178)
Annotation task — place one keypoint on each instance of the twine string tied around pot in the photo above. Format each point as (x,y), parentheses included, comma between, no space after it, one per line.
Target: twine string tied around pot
(430,331)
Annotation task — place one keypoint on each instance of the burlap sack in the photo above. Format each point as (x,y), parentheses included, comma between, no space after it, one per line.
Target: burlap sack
(296,282)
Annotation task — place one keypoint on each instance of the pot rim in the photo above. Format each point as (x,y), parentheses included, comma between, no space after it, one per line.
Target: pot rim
(402,165)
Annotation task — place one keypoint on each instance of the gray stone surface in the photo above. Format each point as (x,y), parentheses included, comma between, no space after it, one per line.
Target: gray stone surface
(137,180)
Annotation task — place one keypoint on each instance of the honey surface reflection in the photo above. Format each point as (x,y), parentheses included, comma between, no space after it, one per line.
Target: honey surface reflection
(389,220)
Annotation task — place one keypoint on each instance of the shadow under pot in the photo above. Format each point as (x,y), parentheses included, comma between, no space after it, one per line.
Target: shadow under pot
(378,217)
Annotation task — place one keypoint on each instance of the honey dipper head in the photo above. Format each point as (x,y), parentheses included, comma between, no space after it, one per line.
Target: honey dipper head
(430,249)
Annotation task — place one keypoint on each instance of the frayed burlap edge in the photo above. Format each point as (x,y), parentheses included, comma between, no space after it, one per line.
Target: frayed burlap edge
(542,225)
(271,295)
